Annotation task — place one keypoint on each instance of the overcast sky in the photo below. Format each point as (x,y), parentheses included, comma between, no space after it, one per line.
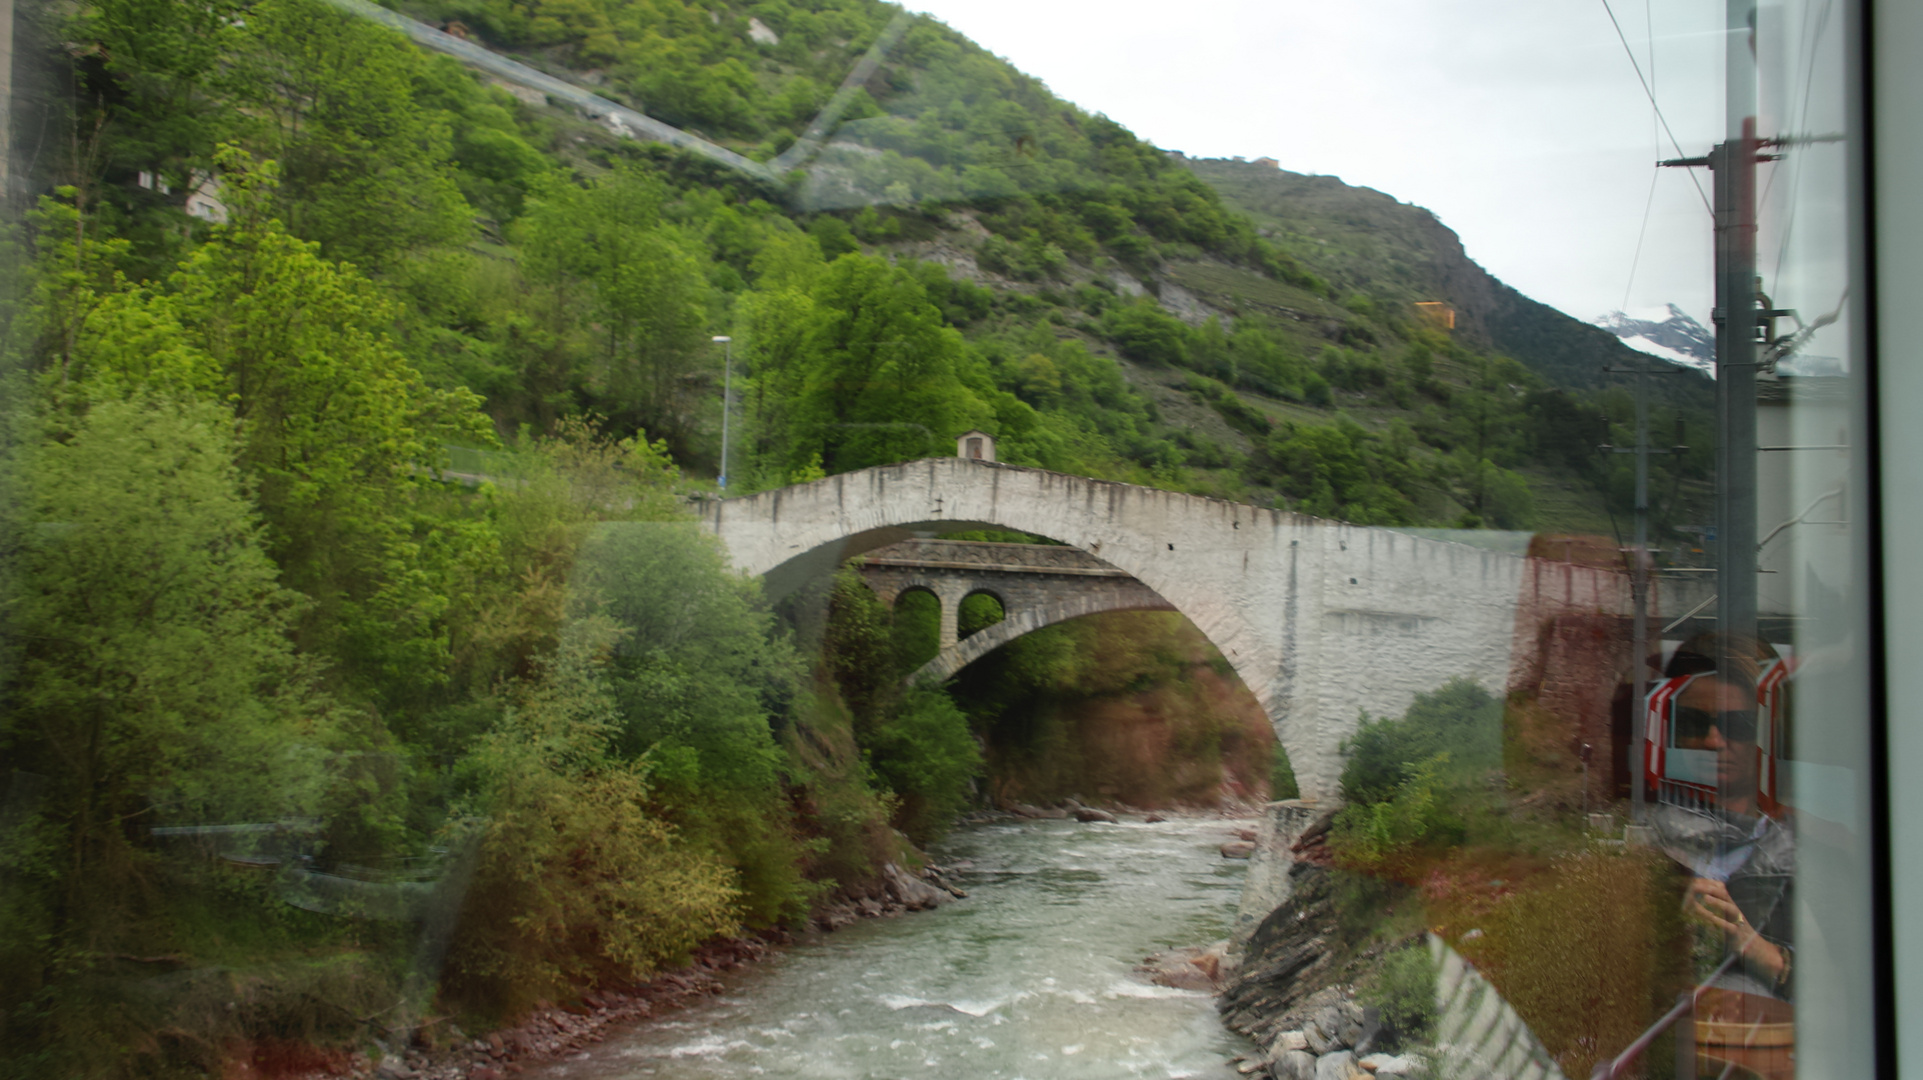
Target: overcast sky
(1519,122)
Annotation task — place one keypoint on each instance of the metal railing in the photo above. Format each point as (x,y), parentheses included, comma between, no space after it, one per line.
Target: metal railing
(1688,796)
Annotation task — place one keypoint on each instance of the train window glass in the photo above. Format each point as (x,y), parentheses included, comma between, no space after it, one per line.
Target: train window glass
(496,498)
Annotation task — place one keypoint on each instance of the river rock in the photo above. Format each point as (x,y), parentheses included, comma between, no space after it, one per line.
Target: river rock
(1339,1024)
(1350,1022)
(1237,849)
(1153,819)
(1183,969)
(1391,1064)
(1089,813)
(1338,1066)
(1293,1065)
(834,917)
(1289,1040)
(1322,1040)
(1196,967)
(910,891)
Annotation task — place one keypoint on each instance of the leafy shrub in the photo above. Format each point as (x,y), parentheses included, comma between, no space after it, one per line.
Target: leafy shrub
(840,804)
(834,236)
(1148,335)
(927,755)
(1239,414)
(1032,259)
(1353,370)
(576,881)
(1382,834)
(978,611)
(1459,721)
(1405,992)
(917,629)
(1507,499)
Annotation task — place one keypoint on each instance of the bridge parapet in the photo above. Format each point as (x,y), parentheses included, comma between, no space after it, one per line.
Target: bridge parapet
(993,556)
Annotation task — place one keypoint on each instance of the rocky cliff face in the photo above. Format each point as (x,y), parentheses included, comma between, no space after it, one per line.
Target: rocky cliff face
(1289,984)
(1363,241)
(1293,992)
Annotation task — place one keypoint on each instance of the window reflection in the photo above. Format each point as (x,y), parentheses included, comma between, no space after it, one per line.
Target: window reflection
(453,721)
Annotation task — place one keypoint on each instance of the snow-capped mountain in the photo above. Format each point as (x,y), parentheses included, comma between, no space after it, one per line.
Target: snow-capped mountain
(1670,334)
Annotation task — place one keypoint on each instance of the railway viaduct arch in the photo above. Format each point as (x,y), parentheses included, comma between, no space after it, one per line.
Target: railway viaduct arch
(1321,620)
(1036,585)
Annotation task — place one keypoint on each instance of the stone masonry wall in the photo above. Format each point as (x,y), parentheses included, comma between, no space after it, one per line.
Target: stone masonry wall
(1323,621)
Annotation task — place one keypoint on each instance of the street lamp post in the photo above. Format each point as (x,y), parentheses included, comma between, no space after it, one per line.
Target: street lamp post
(727,379)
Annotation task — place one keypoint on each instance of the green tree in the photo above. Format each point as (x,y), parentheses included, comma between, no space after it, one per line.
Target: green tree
(699,676)
(149,671)
(337,430)
(646,290)
(1146,334)
(368,171)
(883,380)
(1458,719)
(577,882)
(773,323)
(928,757)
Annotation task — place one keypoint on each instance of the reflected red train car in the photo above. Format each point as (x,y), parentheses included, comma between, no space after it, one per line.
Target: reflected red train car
(1686,776)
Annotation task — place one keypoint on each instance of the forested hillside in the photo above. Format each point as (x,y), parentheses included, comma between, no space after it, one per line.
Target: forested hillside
(279,266)
(1367,241)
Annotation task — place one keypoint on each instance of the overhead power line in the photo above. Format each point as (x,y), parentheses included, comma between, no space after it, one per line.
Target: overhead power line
(1651,94)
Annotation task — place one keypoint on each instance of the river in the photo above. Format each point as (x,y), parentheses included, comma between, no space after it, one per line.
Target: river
(1030,977)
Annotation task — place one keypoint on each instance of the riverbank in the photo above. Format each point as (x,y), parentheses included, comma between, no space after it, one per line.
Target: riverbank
(1031,976)
(440,1050)
(1180,848)
(1294,965)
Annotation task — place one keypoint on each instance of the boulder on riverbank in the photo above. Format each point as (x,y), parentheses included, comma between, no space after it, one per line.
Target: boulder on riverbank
(911,892)
(1196,967)
(1339,1065)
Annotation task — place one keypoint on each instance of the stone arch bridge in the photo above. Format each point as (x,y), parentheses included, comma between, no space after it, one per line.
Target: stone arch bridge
(1037,585)
(1321,620)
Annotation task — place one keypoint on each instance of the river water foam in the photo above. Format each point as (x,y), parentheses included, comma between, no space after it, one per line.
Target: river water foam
(1030,978)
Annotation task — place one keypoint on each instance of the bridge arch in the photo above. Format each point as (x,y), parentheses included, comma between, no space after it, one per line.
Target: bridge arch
(1030,586)
(951,660)
(920,586)
(1002,605)
(1321,620)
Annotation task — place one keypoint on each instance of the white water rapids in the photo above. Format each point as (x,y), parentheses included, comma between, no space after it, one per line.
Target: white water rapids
(1027,979)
